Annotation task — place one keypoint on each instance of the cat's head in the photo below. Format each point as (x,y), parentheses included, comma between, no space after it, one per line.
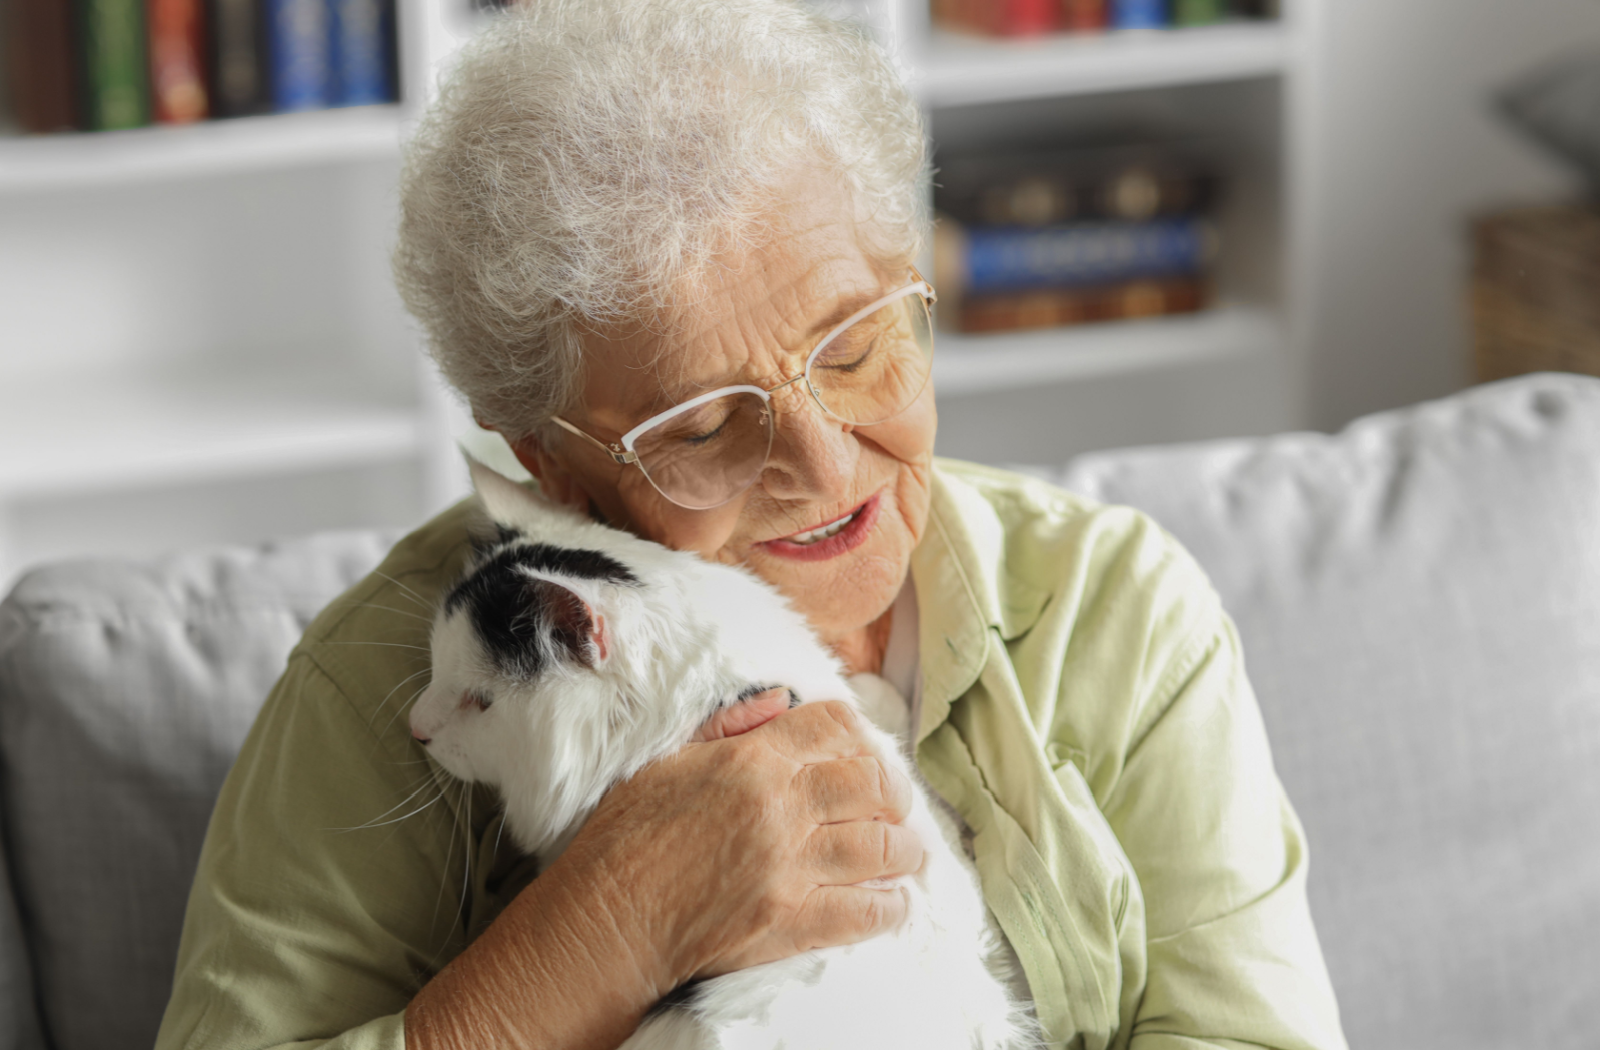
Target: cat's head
(562,661)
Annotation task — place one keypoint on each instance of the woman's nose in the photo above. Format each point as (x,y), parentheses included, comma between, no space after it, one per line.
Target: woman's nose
(813,454)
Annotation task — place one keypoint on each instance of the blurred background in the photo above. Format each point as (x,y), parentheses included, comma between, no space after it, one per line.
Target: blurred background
(1160,220)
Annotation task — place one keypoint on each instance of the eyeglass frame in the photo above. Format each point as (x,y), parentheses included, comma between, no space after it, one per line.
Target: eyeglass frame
(622,452)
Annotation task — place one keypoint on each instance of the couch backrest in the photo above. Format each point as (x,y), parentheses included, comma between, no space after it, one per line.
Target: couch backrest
(125,692)
(1419,600)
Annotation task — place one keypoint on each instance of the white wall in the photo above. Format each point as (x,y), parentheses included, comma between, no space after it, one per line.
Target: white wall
(1404,148)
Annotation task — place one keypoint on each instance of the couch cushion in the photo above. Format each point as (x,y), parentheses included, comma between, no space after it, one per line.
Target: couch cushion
(1419,598)
(125,692)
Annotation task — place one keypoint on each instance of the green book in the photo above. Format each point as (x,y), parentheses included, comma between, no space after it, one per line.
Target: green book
(1197,12)
(116,78)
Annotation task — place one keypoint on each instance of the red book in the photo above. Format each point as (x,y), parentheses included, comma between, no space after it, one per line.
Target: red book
(177,62)
(1084,16)
(41,55)
(1000,17)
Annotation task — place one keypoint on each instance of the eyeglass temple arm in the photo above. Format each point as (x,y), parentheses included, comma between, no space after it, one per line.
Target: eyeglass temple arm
(624,457)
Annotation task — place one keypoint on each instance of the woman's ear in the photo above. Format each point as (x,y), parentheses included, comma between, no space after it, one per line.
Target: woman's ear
(556,481)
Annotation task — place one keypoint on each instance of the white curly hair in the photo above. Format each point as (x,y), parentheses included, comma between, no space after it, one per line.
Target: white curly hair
(587,161)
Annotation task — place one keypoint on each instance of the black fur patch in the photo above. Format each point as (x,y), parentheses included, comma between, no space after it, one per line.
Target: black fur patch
(522,620)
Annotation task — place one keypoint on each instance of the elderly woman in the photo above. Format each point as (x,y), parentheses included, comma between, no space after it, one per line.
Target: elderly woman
(622,221)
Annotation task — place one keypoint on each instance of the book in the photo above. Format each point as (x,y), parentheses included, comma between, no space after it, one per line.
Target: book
(1256,8)
(999,17)
(1039,188)
(237,58)
(300,54)
(115,64)
(362,58)
(177,60)
(39,59)
(1084,16)
(1198,12)
(1050,308)
(1138,14)
(983,260)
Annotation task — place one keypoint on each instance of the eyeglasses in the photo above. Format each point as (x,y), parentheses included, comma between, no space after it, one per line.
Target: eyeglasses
(868,369)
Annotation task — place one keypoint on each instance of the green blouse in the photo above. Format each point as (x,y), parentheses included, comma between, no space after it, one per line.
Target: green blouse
(1084,708)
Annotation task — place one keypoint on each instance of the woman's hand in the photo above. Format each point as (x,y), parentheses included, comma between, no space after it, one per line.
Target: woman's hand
(745,847)
(770,830)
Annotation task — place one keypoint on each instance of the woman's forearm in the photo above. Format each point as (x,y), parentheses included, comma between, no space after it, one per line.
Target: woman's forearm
(556,970)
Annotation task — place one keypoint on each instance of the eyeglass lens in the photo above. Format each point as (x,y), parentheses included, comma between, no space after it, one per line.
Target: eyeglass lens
(868,373)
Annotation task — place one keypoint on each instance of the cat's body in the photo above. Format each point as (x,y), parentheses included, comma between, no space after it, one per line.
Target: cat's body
(573,654)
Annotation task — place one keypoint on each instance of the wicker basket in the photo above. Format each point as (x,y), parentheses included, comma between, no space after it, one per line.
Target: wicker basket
(1536,292)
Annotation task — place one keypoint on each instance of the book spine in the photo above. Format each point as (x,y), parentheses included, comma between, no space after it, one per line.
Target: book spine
(1007,260)
(361,32)
(999,18)
(238,58)
(299,43)
(39,63)
(1138,14)
(115,64)
(1028,17)
(1197,12)
(1084,16)
(177,60)
(1068,306)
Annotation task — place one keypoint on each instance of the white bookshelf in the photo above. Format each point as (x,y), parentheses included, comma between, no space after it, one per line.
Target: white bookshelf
(202,307)
(967,364)
(198,151)
(954,70)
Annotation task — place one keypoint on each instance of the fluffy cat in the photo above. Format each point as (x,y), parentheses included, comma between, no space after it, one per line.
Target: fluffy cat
(572,654)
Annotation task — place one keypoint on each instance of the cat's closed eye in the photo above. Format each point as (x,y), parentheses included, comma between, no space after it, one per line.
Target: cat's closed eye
(475,699)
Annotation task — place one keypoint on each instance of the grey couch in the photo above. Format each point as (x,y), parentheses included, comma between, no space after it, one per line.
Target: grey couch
(1419,598)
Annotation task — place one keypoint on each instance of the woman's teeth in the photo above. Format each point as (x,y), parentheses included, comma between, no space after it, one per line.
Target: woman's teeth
(833,528)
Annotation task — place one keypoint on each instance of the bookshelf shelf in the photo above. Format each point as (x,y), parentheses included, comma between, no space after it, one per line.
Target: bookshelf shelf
(968,364)
(956,70)
(280,141)
(127,432)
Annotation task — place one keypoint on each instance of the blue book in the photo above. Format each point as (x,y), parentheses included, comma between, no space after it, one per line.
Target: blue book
(1138,14)
(299,46)
(1014,259)
(362,58)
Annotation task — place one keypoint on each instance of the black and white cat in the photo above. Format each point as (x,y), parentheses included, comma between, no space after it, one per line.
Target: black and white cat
(572,654)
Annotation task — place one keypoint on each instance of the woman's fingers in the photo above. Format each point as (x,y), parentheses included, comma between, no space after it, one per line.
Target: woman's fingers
(835,915)
(862,788)
(857,851)
(745,716)
(818,732)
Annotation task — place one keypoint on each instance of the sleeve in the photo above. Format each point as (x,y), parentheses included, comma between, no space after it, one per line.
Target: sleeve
(1233,957)
(329,887)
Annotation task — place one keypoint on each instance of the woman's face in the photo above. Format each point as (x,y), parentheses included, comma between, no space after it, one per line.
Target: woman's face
(766,311)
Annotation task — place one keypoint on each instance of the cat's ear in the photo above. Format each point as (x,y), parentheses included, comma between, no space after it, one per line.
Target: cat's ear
(503,500)
(572,623)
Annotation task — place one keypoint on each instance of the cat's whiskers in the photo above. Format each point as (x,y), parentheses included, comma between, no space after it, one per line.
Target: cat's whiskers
(382,703)
(426,781)
(413,595)
(398,612)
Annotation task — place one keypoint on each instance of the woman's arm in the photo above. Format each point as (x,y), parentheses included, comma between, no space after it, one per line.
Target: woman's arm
(330,886)
(730,853)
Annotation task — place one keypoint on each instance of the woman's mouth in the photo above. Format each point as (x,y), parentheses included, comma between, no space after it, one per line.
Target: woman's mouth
(830,539)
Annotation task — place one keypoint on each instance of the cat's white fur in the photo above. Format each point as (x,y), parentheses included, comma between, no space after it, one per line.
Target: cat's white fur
(678,647)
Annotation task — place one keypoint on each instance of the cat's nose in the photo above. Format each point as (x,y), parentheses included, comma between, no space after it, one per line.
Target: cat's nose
(416,734)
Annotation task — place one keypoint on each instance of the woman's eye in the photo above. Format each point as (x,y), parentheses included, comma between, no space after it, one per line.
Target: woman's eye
(846,355)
